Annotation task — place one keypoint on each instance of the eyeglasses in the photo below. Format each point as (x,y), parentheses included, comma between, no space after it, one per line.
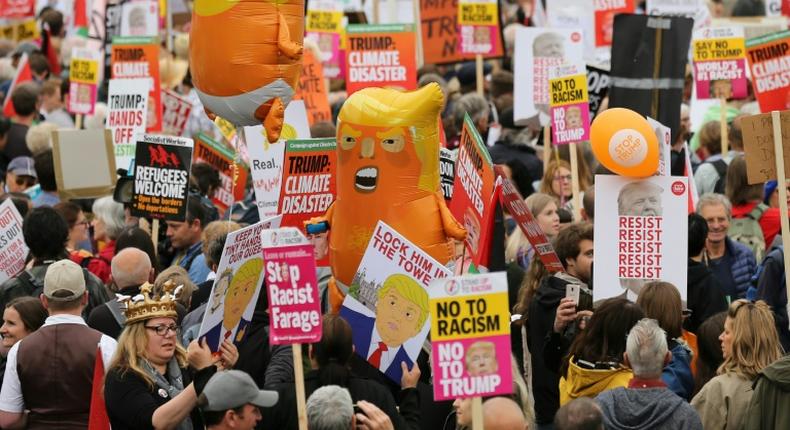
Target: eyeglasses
(162,330)
(563,178)
(84,222)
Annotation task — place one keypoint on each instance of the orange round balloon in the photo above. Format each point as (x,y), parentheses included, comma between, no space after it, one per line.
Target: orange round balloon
(623,141)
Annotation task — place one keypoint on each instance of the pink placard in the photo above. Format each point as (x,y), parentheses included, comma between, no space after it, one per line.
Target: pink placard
(478,39)
(472,367)
(570,123)
(82,98)
(721,79)
(295,309)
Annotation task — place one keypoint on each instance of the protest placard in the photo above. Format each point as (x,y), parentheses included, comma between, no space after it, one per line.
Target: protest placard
(472,191)
(208,150)
(13,250)
(309,180)
(325,28)
(758,142)
(597,88)
(646,221)
(20,31)
(387,302)
(17,9)
(720,63)
(84,163)
(517,208)
(140,18)
(138,57)
(127,107)
(447,171)
(292,287)
(439,31)
(769,62)
(470,337)
(83,80)
(381,56)
(235,291)
(605,11)
(161,177)
(266,163)
(176,110)
(478,22)
(537,51)
(664,137)
(570,109)
(312,89)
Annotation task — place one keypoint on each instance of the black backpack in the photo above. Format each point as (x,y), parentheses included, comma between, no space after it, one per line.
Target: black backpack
(721,168)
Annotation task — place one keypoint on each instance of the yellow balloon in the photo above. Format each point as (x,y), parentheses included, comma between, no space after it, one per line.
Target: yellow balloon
(623,142)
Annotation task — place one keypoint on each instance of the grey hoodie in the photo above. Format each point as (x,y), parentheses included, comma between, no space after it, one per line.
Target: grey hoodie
(646,408)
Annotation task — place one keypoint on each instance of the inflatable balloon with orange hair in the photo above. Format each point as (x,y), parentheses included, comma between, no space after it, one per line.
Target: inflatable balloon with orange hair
(245,59)
(388,169)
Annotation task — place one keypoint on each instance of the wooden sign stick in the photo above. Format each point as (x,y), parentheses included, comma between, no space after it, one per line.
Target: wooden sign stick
(479,71)
(546,147)
(477,413)
(780,179)
(577,203)
(725,143)
(155,233)
(301,403)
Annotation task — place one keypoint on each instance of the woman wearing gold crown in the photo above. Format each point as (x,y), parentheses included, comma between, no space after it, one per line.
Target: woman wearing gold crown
(152,382)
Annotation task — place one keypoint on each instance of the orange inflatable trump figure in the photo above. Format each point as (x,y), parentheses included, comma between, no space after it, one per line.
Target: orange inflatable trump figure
(245,59)
(388,169)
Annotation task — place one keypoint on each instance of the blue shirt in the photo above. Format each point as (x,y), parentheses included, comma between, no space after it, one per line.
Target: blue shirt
(198,270)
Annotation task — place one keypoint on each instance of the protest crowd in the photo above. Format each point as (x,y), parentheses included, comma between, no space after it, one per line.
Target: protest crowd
(352,226)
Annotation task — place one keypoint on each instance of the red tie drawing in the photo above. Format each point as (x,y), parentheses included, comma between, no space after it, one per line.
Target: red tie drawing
(375,358)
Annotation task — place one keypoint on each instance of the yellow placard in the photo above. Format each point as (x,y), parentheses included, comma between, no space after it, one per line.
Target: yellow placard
(469,316)
(478,14)
(568,90)
(328,21)
(84,71)
(27,30)
(733,48)
(227,129)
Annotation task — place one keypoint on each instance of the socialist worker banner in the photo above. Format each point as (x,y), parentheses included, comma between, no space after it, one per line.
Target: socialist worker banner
(769,62)
(381,56)
(161,177)
(138,57)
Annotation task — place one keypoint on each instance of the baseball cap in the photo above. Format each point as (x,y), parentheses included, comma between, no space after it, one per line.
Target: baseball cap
(23,166)
(64,281)
(234,388)
(769,189)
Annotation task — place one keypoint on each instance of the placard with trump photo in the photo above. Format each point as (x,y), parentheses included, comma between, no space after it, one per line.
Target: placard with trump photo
(644,221)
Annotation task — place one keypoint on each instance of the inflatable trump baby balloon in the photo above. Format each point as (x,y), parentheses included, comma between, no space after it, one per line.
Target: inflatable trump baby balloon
(245,58)
(388,169)
(623,141)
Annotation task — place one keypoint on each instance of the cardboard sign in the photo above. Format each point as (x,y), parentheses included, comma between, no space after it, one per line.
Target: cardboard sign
(605,11)
(440,39)
(664,136)
(161,177)
(381,56)
(472,190)
(127,107)
(570,109)
(83,80)
(309,180)
(597,88)
(138,57)
(387,302)
(470,334)
(537,51)
(294,305)
(312,89)
(236,288)
(517,208)
(720,63)
(140,18)
(84,163)
(447,171)
(208,150)
(176,113)
(17,9)
(645,221)
(758,142)
(769,62)
(13,250)
(478,22)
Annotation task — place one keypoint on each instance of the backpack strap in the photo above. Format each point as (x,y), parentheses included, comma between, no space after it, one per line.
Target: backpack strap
(721,167)
(26,280)
(758,211)
(115,310)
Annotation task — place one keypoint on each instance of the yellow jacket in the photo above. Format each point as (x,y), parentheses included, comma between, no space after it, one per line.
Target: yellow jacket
(582,382)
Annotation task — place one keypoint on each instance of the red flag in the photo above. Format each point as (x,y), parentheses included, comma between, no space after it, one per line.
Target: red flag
(98,415)
(49,51)
(23,74)
(80,14)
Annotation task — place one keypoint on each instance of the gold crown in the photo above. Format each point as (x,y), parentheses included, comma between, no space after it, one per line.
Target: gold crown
(145,307)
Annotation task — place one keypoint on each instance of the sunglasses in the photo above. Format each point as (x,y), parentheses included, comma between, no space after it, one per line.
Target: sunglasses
(28,181)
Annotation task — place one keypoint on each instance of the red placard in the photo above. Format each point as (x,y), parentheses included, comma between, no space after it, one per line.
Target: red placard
(312,89)
(221,158)
(769,62)
(605,11)
(176,113)
(17,9)
(138,57)
(381,56)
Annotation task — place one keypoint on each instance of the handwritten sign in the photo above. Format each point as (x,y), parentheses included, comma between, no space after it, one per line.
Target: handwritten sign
(758,142)
(470,337)
(312,89)
(176,113)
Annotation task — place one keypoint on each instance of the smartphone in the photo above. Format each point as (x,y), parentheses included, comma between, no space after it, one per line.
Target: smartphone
(572,291)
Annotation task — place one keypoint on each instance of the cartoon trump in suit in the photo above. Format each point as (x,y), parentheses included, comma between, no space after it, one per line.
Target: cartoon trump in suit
(401,312)
(239,294)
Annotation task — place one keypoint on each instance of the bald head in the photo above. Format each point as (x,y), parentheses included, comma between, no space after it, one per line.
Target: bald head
(131,267)
(501,413)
